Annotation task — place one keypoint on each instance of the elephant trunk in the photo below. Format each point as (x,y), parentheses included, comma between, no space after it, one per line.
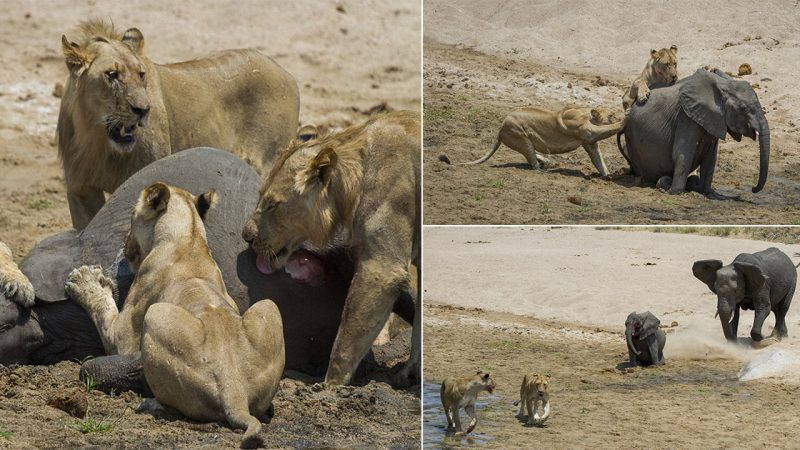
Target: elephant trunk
(726,317)
(763,143)
(629,338)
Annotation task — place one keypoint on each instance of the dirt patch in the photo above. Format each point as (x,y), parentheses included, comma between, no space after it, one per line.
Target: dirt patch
(480,63)
(597,401)
(349,61)
(306,415)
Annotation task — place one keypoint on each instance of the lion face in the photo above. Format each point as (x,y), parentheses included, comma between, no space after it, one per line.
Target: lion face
(665,64)
(603,116)
(486,381)
(296,206)
(111,81)
(540,384)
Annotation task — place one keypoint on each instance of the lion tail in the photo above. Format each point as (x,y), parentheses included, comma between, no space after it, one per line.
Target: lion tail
(488,154)
(516,403)
(251,425)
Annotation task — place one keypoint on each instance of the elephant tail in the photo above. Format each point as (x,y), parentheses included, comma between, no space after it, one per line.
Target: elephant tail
(622,148)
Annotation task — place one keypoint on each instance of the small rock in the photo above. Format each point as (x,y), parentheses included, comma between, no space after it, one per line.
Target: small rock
(73,403)
(317,387)
(340,9)
(756,86)
(745,69)
(575,200)
(443,158)
(569,85)
(58,90)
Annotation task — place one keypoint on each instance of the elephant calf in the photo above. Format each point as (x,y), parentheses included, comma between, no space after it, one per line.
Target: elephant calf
(762,281)
(645,339)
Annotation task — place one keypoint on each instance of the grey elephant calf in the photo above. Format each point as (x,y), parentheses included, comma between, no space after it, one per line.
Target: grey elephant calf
(645,339)
(762,281)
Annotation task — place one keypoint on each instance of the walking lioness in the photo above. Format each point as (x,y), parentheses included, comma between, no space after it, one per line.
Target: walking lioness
(120,111)
(457,393)
(198,354)
(531,131)
(532,392)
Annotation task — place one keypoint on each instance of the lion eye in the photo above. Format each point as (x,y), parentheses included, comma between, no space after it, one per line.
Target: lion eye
(141,76)
(272,205)
(112,75)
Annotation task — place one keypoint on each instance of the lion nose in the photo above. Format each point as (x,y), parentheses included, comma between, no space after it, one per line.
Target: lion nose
(250,230)
(140,111)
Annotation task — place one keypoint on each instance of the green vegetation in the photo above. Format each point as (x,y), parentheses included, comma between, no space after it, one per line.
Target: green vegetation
(39,204)
(90,425)
(6,434)
(89,384)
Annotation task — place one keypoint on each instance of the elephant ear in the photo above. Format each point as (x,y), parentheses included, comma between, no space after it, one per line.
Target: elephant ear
(706,271)
(702,100)
(650,324)
(753,275)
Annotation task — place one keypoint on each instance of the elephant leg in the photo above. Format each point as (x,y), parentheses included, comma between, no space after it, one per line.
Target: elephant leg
(597,158)
(470,410)
(529,152)
(688,138)
(654,351)
(762,306)
(780,330)
(693,184)
(707,167)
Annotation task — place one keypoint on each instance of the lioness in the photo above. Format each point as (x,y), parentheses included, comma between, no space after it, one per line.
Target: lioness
(120,111)
(198,354)
(532,130)
(457,393)
(662,67)
(534,390)
(358,189)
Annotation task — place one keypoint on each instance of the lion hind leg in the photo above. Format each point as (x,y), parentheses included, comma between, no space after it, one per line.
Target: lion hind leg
(373,291)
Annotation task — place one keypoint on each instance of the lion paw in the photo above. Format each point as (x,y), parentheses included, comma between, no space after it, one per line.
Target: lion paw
(87,283)
(644,94)
(17,288)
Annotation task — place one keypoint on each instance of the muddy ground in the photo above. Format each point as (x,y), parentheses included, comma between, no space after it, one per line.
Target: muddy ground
(597,400)
(348,58)
(481,62)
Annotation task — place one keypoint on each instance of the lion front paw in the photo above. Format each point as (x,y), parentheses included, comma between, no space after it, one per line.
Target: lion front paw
(87,283)
(643,95)
(17,288)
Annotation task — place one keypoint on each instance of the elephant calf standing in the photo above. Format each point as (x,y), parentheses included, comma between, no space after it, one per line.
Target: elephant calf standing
(762,281)
(645,339)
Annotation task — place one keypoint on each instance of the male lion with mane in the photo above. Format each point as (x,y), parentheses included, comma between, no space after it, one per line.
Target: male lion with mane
(357,189)
(120,111)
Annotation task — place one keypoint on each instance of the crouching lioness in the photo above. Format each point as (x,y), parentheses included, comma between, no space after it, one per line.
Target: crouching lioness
(532,130)
(198,354)
(359,189)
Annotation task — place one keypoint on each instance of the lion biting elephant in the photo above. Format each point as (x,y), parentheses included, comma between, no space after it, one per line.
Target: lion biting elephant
(120,111)
(180,317)
(356,189)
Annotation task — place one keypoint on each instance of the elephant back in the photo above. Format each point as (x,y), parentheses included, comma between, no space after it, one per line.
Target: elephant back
(196,170)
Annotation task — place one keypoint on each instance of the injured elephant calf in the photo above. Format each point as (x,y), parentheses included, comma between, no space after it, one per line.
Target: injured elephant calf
(645,339)
(179,315)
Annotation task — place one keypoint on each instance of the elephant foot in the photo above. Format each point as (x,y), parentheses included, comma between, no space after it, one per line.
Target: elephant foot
(765,342)
(693,184)
(664,183)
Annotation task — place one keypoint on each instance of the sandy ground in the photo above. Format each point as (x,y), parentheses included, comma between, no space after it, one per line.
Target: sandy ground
(512,300)
(482,60)
(346,56)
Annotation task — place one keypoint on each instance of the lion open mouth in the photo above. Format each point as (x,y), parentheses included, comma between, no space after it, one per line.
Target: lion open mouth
(302,266)
(122,135)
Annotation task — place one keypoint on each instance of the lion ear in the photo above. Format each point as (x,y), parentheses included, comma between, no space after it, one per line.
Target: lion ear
(674,48)
(156,197)
(74,56)
(595,114)
(205,202)
(134,39)
(653,53)
(321,168)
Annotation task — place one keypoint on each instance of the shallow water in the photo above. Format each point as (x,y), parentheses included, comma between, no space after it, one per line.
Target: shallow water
(434,422)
